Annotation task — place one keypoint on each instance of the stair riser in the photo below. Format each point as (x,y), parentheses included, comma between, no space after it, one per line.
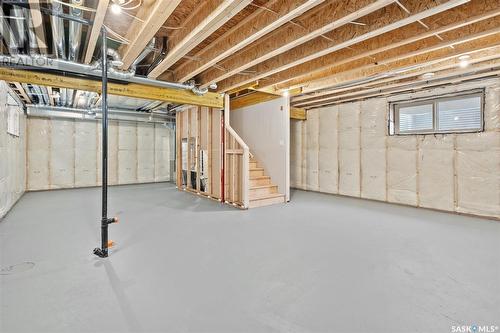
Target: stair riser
(267,202)
(256,173)
(253,165)
(260,182)
(259,192)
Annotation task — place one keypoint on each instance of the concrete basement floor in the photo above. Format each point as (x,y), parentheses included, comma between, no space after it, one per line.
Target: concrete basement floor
(321,263)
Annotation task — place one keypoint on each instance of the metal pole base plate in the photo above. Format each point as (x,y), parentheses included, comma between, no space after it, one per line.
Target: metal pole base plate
(100,253)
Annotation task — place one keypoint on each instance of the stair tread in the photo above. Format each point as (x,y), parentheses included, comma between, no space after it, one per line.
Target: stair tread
(263,186)
(268,196)
(259,177)
(256,169)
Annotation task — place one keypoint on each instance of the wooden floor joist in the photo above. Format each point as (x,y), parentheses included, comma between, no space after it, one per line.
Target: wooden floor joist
(209,16)
(413,86)
(252,99)
(130,90)
(381,21)
(100,13)
(446,68)
(37,20)
(353,74)
(456,18)
(264,20)
(313,24)
(140,33)
(298,113)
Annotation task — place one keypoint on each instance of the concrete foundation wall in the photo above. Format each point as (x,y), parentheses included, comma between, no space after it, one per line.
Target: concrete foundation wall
(345,149)
(66,153)
(12,154)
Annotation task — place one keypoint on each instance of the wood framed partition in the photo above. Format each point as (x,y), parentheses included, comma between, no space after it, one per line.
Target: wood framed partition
(212,160)
(198,150)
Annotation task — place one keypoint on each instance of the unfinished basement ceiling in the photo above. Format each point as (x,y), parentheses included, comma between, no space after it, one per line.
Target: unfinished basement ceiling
(321,51)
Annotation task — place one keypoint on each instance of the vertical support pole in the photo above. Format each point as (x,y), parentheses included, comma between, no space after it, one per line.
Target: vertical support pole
(104,107)
(105,221)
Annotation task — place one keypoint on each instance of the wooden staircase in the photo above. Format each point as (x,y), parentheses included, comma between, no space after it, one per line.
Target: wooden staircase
(262,191)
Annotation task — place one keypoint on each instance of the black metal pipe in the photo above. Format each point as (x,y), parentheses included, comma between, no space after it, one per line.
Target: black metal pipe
(104,107)
(105,221)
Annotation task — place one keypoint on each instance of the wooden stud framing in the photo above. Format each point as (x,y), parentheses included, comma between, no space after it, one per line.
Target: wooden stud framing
(101,10)
(198,149)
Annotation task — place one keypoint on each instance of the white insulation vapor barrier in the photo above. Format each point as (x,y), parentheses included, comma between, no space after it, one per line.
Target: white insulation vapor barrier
(12,153)
(66,153)
(345,149)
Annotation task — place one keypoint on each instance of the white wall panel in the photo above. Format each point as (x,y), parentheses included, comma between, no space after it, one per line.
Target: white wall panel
(328,145)
(61,161)
(38,152)
(402,169)
(478,173)
(162,152)
(373,157)
(349,149)
(12,153)
(85,153)
(296,153)
(145,153)
(74,160)
(436,177)
(413,170)
(312,150)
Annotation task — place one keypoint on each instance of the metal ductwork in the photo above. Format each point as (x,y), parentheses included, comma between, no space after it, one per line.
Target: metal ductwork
(19,25)
(93,114)
(59,42)
(75,32)
(58,36)
(7,34)
(43,62)
(149,48)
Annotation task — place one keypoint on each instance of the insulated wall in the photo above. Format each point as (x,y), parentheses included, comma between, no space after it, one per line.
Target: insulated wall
(12,153)
(66,153)
(345,149)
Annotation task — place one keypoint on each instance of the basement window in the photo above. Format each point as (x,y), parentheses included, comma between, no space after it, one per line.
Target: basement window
(456,114)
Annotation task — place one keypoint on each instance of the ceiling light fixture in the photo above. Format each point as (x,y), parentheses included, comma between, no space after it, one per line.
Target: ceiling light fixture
(428,75)
(116,9)
(464,60)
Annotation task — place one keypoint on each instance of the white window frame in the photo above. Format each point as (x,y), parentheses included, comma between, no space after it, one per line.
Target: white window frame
(395,106)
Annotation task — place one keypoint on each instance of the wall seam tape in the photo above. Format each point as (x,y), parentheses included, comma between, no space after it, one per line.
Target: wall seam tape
(417,166)
(360,130)
(455,174)
(49,137)
(338,148)
(74,153)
